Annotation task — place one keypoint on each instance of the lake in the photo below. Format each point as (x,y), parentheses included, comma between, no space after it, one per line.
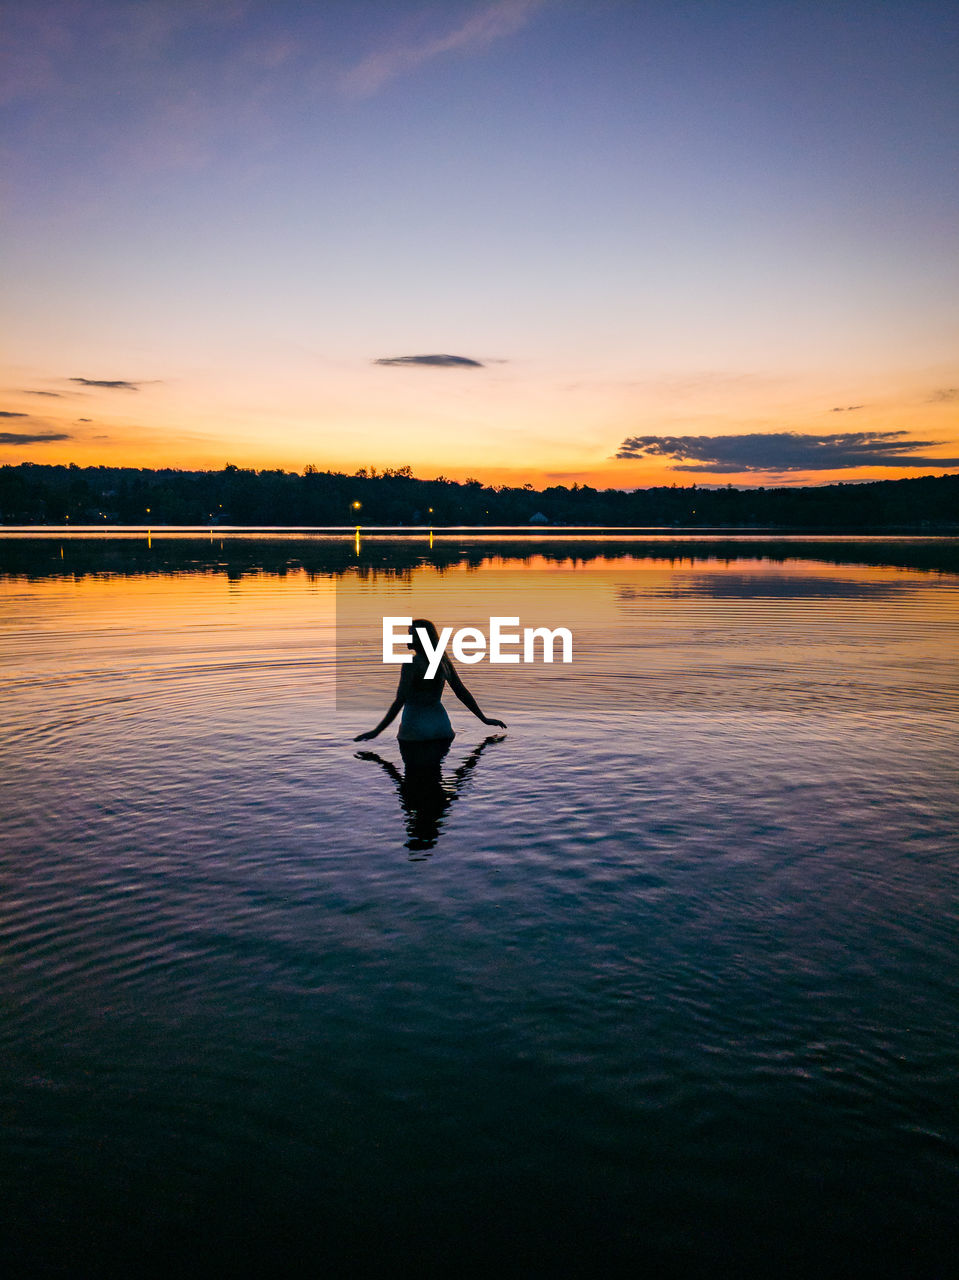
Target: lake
(663,980)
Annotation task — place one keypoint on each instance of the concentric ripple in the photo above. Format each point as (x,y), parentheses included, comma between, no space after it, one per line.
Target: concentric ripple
(667,974)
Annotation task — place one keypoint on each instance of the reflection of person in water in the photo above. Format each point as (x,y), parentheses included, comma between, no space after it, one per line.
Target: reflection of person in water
(424,716)
(425,734)
(424,792)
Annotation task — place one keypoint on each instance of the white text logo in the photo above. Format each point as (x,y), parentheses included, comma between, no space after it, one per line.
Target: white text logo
(470,644)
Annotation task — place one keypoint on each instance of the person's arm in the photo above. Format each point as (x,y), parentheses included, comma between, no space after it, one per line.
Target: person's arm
(471,761)
(391,769)
(464,695)
(402,692)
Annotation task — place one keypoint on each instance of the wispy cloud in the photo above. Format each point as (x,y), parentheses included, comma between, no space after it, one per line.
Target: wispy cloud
(778,451)
(111,384)
(5,413)
(434,362)
(846,408)
(53,394)
(177,75)
(39,437)
(489,24)
(944,396)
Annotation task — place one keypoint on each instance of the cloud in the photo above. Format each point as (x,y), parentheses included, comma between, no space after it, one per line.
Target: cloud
(945,396)
(435,362)
(54,394)
(5,413)
(84,419)
(117,384)
(40,437)
(494,22)
(846,408)
(778,451)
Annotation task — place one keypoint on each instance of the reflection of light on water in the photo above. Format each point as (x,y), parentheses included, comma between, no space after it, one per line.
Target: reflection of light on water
(773,638)
(706,878)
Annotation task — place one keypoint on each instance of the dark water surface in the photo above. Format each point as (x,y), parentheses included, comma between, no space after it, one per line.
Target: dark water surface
(665,981)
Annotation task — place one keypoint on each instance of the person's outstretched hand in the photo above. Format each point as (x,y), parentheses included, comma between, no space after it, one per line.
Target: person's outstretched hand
(499,723)
(365,737)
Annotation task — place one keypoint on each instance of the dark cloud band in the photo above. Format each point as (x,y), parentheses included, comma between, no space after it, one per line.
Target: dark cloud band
(784,451)
(40,437)
(434,362)
(5,413)
(115,384)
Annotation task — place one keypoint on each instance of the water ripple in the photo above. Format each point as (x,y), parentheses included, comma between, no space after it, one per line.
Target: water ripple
(700,907)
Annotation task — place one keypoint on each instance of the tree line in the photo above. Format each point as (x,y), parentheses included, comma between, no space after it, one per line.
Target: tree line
(32,493)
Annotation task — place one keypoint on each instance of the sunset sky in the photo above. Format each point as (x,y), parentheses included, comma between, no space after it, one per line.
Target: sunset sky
(720,240)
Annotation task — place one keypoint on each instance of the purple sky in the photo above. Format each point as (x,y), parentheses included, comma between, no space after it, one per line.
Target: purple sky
(628,220)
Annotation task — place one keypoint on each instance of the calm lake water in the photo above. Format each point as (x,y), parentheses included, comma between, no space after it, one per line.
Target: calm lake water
(663,981)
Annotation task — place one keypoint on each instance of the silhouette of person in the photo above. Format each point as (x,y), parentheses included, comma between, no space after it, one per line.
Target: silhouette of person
(425,795)
(425,734)
(424,717)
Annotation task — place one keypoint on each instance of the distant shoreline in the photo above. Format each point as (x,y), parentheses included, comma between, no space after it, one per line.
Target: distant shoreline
(553,531)
(76,552)
(41,496)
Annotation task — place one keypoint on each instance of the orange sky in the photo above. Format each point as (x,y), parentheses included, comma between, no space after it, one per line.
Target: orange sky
(501,425)
(242,217)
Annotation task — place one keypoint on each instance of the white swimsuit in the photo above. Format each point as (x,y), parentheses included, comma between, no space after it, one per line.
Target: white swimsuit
(424,716)
(424,723)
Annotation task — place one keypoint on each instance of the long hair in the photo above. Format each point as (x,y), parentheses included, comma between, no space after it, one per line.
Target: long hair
(424,624)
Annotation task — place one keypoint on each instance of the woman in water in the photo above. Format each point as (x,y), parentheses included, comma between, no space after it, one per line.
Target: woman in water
(425,722)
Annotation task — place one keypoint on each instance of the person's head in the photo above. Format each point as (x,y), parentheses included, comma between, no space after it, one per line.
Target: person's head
(422,624)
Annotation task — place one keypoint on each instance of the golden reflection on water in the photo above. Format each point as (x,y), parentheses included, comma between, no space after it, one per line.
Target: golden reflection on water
(746,633)
(56,628)
(727,636)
